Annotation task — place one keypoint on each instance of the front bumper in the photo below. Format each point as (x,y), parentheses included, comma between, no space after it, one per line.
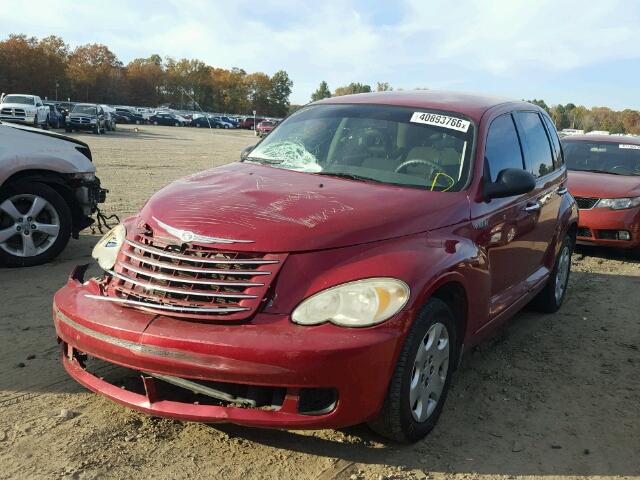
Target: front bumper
(26,120)
(598,226)
(268,352)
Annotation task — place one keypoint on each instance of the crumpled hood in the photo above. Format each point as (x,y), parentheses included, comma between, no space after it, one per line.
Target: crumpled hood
(602,185)
(277,210)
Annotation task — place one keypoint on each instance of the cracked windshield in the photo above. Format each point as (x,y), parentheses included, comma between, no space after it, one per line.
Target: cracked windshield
(373,143)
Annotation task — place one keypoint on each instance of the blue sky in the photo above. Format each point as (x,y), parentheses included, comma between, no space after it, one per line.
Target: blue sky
(562,51)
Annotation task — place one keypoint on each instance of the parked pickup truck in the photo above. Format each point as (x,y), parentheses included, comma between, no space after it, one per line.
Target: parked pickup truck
(27,109)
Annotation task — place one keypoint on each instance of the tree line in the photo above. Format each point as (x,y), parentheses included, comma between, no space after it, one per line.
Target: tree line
(48,67)
(564,116)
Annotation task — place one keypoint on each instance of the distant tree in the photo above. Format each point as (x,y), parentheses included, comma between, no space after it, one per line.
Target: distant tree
(352,88)
(145,81)
(94,70)
(281,86)
(383,87)
(259,92)
(322,92)
(540,103)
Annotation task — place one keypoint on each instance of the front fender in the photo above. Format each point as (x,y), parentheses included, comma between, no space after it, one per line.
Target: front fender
(424,261)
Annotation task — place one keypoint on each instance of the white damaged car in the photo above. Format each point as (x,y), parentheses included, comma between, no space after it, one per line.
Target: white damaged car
(48,192)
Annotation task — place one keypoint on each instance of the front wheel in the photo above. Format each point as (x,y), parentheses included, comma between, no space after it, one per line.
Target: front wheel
(45,125)
(35,224)
(418,388)
(550,299)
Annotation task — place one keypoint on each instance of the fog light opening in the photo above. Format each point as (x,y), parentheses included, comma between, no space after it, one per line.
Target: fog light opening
(624,235)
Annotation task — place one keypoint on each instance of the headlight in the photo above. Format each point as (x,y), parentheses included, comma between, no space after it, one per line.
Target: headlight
(106,250)
(93,120)
(355,304)
(618,203)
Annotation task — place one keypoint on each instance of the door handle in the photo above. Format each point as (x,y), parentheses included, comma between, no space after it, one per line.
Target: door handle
(534,207)
(562,190)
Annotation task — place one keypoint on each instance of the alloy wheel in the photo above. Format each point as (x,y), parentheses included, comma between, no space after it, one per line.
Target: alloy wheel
(429,372)
(29,225)
(562,272)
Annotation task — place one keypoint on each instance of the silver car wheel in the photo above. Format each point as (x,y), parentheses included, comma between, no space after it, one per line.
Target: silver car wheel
(562,272)
(429,373)
(34,225)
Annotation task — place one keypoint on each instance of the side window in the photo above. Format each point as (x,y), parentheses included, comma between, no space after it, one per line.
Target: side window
(555,141)
(538,159)
(503,147)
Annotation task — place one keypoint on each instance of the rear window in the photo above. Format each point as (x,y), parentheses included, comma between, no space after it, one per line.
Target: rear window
(602,157)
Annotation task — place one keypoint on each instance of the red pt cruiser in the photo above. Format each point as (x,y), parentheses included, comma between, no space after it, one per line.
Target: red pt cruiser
(605,180)
(336,274)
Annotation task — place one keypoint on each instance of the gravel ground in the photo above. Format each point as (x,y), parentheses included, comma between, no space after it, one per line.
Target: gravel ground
(553,395)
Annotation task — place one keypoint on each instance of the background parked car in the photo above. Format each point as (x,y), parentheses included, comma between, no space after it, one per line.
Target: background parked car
(265,127)
(604,178)
(162,118)
(131,115)
(248,123)
(202,122)
(230,120)
(86,116)
(109,117)
(56,117)
(223,123)
(48,190)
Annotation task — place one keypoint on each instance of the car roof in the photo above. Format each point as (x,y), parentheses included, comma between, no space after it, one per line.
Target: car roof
(603,138)
(471,105)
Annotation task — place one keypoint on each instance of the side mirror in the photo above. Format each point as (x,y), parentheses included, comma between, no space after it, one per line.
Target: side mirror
(245,152)
(510,182)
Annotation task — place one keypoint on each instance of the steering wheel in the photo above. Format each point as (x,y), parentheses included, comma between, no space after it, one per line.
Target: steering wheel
(435,173)
(435,167)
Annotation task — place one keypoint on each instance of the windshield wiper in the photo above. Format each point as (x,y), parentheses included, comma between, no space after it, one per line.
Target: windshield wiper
(350,176)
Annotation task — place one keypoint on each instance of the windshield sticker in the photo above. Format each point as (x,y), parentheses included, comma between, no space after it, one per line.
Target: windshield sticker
(439,120)
(632,147)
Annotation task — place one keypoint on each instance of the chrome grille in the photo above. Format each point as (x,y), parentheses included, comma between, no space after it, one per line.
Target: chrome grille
(13,111)
(586,203)
(82,120)
(190,281)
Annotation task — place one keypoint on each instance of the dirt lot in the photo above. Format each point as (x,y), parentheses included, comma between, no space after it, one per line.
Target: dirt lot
(554,396)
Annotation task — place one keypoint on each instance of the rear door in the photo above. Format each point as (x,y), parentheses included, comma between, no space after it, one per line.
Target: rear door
(543,159)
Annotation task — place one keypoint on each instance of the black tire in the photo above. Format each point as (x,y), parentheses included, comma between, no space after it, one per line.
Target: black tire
(45,125)
(395,420)
(547,301)
(97,130)
(64,214)
(35,121)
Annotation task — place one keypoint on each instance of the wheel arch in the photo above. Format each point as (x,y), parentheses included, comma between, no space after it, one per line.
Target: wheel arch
(54,180)
(451,290)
